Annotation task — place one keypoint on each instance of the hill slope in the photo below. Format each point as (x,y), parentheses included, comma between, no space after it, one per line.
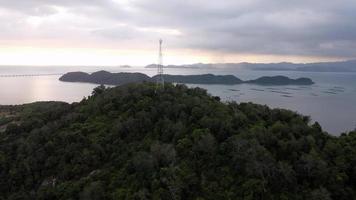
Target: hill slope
(131,142)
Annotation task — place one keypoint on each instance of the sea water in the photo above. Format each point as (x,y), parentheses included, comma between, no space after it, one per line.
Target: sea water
(331,100)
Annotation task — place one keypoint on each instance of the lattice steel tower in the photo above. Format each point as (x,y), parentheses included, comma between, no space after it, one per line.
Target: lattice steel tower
(160,79)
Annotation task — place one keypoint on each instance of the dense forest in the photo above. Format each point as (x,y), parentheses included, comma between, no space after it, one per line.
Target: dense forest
(136,142)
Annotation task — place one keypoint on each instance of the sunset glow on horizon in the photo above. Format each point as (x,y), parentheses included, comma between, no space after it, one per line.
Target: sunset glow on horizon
(111,57)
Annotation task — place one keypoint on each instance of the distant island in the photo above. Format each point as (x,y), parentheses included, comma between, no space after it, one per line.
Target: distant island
(107,78)
(104,77)
(188,66)
(338,66)
(280,80)
(125,66)
(201,79)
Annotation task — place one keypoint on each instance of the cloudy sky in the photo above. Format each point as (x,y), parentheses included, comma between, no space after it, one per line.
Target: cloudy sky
(117,32)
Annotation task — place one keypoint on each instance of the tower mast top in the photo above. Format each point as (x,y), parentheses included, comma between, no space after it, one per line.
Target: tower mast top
(160,79)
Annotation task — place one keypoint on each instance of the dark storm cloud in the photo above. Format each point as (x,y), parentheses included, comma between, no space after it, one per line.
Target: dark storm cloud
(303,27)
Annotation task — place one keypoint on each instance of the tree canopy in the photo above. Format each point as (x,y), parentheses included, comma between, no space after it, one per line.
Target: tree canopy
(136,142)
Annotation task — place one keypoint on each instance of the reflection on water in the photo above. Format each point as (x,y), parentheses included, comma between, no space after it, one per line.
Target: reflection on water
(29,89)
(331,101)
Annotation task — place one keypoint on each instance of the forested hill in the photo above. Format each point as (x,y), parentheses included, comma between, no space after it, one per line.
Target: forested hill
(107,78)
(132,142)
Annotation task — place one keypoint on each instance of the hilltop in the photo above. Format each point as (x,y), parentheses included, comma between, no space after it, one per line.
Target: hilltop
(136,142)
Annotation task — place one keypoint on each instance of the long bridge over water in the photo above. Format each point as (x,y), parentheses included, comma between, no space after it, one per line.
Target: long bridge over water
(28,75)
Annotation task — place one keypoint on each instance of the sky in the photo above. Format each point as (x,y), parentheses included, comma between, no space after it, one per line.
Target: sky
(120,32)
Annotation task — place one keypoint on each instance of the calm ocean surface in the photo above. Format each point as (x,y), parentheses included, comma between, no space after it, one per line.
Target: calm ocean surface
(331,101)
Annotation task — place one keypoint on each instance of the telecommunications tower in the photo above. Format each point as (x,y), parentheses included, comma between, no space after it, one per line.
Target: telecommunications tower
(160,79)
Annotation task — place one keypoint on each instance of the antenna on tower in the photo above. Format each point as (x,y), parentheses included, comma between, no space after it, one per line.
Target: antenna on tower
(160,79)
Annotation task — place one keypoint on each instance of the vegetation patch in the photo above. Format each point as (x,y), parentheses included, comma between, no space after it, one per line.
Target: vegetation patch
(136,142)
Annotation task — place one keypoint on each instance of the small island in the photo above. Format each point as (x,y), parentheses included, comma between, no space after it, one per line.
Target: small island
(104,77)
(107,78)
(280,80)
